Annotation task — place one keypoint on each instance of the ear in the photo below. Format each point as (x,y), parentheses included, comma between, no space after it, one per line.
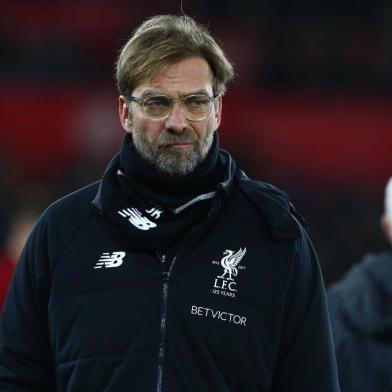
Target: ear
(218,112)
(125,116)
(387,228)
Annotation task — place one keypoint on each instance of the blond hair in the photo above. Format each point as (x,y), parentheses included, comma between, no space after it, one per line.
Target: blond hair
(166,39)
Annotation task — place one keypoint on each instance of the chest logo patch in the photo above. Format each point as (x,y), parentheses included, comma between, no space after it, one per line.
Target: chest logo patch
(110,260)
(225,283)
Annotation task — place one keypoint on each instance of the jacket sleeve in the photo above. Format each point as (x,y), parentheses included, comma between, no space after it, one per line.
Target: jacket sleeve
(306,359)
(25,356)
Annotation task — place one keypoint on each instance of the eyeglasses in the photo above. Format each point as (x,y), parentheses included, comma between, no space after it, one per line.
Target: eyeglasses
(195,107)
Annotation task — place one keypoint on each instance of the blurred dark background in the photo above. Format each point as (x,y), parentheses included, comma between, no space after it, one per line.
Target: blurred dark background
(310,110)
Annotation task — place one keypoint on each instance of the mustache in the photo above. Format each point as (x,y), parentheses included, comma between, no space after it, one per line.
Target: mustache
(183,138)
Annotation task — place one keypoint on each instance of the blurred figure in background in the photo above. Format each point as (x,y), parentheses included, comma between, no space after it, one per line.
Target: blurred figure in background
(361,316)
(21,225)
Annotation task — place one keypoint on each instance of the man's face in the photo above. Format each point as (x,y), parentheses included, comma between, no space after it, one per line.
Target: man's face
(175,145)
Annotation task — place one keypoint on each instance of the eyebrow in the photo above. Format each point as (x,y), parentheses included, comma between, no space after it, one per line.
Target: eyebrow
(202,91)
(148,93)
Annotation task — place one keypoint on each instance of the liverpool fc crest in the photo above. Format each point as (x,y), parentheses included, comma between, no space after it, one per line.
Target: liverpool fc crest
(225,284)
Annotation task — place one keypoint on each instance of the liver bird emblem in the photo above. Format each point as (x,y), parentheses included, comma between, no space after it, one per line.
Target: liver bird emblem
(230,261)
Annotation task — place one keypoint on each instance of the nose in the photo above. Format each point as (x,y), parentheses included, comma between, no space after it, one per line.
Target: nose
(176,121)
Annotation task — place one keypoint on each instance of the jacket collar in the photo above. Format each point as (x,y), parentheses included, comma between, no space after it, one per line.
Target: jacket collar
(223,187)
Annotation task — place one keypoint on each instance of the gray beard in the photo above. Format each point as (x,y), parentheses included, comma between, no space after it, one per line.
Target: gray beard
(169,161)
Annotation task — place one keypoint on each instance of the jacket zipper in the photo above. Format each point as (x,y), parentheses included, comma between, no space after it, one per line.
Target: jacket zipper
(161,354)
(166,275)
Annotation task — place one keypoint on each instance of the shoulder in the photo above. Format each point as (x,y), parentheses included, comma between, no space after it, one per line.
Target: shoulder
(69,212)
(275,207)
(79,202)
(365,277)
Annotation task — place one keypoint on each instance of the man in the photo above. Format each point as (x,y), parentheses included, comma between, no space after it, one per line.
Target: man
(175,272)
(360,307)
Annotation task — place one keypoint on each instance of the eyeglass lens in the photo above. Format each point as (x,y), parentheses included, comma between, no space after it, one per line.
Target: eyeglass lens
(194,107)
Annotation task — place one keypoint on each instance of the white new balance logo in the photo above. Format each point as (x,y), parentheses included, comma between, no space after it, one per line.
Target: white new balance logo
(138,220)
(108,260)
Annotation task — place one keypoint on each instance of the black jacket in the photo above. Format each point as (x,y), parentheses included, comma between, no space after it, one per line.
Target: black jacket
(241,308)
(361,317)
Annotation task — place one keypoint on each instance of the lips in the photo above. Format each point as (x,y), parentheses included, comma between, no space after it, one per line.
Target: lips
(180,145)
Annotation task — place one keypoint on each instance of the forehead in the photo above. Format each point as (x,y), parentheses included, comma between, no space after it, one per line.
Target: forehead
(180,78)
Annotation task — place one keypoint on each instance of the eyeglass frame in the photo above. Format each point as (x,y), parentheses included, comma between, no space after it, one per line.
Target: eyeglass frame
(140,101)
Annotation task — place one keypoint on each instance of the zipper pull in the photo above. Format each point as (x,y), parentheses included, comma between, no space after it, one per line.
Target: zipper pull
(165,273)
